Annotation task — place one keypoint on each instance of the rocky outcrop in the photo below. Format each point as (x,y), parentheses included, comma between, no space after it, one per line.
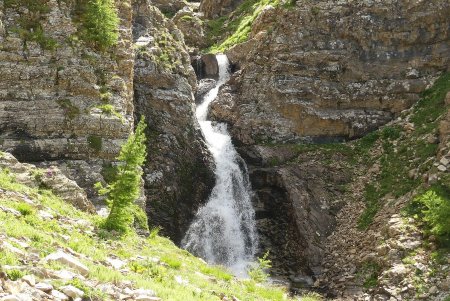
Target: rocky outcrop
(169,7)
(328,69)
(295,206)
(191,26)
(179,170)
(206,66)
(51,178)
(54,87)
(217,8)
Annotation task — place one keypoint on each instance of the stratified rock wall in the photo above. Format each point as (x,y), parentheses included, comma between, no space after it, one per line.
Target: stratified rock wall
(179,170)
(295,204)
(53,86)
(327,70)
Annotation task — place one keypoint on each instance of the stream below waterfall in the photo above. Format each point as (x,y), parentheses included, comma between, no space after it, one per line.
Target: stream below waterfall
(223,231)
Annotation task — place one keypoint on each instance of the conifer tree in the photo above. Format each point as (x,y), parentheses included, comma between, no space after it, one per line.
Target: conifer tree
(125,189)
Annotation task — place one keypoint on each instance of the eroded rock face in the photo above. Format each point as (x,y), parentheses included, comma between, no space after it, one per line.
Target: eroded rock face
(191,26)
(333,70)
(51,177)
(52,92)
(217,8)
(179,170)
(295,206)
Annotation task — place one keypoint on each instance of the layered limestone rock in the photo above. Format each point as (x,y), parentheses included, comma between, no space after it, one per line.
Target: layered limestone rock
(328,70)
(179,170)
(60,98)
(295,206)
(66,104)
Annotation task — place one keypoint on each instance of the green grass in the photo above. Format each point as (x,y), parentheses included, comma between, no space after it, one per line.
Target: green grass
(368,274)
(160,266)
(109,110)
(15,274)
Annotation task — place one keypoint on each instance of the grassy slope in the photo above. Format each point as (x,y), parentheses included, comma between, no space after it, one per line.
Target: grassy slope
(161,263)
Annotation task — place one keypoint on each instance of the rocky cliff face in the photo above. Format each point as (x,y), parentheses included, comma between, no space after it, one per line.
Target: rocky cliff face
(65,103)
(328,70)
(54,87)
(295,206)
(179,170)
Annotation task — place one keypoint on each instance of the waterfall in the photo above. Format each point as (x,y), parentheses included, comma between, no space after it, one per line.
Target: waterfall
(223,231)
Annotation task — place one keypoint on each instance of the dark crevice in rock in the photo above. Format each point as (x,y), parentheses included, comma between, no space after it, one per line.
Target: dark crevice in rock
(295,210)
(179,172)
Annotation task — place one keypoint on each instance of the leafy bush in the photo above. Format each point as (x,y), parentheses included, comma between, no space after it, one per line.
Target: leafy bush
(100,23)
(436,212)
(126,187)
(258,272)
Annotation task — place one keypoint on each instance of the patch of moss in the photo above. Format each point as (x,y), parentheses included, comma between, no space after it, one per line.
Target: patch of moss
(70,110)
(110,111)
(95,142)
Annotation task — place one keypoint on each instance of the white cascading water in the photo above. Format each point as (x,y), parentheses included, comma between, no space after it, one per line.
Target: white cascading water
(223,231)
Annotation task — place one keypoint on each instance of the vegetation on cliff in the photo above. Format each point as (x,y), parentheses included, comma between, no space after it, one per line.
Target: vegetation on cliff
(99,22)
(235,28)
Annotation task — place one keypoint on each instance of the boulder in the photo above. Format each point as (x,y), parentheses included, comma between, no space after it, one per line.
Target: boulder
(68,260)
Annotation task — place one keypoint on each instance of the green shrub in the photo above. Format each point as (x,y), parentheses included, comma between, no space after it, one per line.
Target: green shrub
(25,209)
(258,272)
(99,23)
(15,274)
(436,212)
(140,218)
(126,187)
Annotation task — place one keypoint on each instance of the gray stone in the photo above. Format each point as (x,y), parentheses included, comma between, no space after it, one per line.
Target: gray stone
(43,286)
(72,291)
(68,260)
